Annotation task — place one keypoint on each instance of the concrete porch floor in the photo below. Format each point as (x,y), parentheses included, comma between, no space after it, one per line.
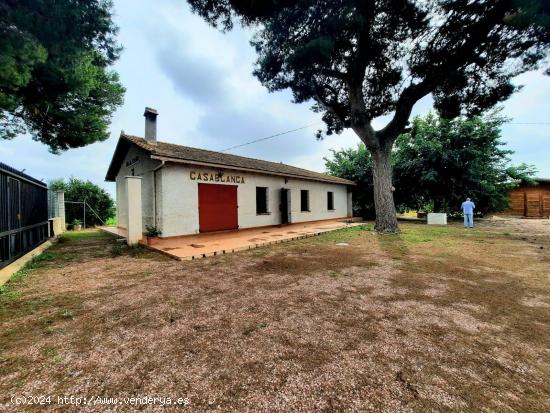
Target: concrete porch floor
(119,232)
(191,247)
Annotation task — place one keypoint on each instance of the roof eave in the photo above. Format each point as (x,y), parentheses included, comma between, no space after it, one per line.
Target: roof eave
(120,151)
(238,168)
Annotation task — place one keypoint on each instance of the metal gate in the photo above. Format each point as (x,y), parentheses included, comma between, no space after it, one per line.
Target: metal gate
(23,214)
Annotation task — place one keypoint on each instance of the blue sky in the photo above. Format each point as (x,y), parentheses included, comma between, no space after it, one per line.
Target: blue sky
(201,82)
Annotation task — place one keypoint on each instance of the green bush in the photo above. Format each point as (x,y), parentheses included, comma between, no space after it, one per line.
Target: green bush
(116,250)
(97,199)
(152,231)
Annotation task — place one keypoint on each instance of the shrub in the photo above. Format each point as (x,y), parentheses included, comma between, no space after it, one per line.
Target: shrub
(152,231)
(116,250)
(68,314)
(98,201)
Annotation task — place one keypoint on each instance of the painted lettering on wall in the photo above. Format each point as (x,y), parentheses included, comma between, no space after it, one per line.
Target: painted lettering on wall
(211,177)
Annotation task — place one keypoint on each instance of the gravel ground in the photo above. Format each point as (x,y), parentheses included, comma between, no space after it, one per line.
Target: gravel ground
(436,319)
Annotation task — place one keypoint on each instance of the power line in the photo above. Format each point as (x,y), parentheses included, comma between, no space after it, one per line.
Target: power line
(316,123)
(270,137)
(528,123)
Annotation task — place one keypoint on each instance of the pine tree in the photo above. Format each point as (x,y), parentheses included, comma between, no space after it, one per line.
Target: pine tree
(358,60)
(55,80)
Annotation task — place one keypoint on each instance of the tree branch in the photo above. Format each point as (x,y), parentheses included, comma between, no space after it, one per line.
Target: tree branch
(360,122)
(334,73)
(403,108)
(464,54)
(333,107)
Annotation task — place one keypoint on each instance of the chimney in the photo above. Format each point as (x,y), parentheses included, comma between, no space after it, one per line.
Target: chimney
(150,125)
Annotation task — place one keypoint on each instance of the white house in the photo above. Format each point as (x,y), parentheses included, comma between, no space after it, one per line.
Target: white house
(188,190)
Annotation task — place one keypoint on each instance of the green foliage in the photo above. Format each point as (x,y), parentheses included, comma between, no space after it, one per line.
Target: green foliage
(340,235)
(531,13)
(136,251)
(116,250)
(67,314)
(152,231)
(55,80)
(456,50)
(442,162)
(38,261)
(437,164)
(84,235)
(355,165)
(96,198)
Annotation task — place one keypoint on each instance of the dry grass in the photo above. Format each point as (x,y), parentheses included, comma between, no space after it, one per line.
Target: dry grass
(436,319)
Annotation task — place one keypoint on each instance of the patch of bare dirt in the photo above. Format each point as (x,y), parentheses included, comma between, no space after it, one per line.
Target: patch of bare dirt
(432,320)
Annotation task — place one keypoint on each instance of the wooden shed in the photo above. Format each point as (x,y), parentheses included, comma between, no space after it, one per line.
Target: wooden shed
(531,201)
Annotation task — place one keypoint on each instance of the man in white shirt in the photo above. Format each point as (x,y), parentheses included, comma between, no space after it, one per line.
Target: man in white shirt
(468,209)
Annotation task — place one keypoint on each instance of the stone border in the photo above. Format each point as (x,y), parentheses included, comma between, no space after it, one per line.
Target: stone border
(246,247)
(9,270)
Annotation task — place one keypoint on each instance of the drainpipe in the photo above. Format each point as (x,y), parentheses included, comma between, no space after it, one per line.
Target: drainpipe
(155,191)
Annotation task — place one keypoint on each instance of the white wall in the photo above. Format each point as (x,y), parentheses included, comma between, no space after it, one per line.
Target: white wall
(179,213)
(180,202)
(143,167)
(121,204)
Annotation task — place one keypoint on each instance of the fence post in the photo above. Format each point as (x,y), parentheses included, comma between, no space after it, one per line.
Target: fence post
(56,211)
(60,212)
(133,204)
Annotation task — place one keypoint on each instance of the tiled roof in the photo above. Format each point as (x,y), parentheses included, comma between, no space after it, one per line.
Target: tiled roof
(219,159)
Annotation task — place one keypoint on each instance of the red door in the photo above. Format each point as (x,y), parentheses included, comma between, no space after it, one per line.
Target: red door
(217,207)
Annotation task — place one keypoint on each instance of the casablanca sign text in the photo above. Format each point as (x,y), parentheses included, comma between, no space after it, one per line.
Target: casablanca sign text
(211,177)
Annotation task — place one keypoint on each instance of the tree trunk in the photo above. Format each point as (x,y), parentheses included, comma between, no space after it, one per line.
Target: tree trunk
(386,219)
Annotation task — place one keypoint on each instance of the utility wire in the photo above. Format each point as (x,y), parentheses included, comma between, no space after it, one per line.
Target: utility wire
(316,123)
(270,137)
(527,123)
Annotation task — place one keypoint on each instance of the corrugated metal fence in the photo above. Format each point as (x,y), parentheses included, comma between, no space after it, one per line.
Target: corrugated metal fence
(23,213)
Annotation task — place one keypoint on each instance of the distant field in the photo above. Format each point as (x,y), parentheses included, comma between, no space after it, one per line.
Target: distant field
(435,319)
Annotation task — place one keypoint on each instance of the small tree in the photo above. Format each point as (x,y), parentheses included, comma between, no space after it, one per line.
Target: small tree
(438,163)
(54,76)
(359,60)
(355,165)
(77,190)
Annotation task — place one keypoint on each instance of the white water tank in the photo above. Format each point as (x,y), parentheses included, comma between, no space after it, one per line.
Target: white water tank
(437,218)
